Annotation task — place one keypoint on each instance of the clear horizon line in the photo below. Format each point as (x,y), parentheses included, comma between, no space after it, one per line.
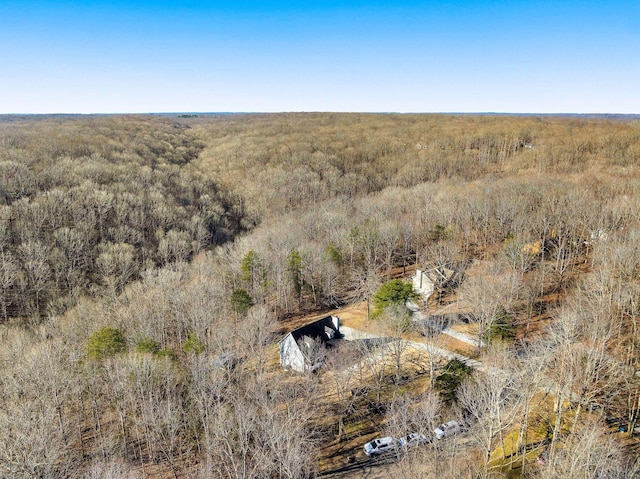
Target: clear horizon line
(257,112)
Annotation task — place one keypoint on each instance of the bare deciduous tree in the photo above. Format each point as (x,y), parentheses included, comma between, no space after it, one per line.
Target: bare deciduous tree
(488,292)
(9,271)
(116,265)
(490,400)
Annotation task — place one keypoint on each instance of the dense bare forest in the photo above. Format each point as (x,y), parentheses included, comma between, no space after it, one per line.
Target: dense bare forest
(150,264)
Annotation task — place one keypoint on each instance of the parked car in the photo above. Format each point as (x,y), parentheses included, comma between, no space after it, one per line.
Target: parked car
(447,429)
(413,439)
(380,446)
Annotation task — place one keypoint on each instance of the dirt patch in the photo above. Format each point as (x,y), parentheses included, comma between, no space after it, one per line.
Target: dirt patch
(353,315)
(449,343)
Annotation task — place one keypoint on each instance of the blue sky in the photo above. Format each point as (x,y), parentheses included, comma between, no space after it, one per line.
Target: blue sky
(404,56)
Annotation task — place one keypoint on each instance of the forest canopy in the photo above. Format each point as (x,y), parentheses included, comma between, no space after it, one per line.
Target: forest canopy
(149,265)
(88,204)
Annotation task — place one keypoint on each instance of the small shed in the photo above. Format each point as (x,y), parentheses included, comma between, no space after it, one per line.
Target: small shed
(426,281)
(302,349)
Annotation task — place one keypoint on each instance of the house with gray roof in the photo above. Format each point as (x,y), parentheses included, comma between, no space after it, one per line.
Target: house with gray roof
(304,349)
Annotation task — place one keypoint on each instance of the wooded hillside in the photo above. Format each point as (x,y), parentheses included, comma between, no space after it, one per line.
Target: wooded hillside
(150,264)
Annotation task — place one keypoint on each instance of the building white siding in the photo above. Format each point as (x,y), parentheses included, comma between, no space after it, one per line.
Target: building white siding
(290,354)
(422,284)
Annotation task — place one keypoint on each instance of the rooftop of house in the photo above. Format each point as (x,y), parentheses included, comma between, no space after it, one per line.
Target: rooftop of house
(326,329)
